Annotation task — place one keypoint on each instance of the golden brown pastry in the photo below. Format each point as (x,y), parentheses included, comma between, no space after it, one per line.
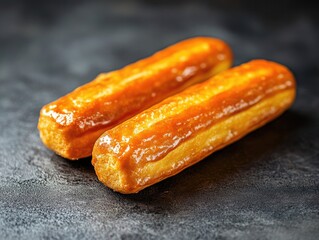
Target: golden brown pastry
(185,128)
(70,125)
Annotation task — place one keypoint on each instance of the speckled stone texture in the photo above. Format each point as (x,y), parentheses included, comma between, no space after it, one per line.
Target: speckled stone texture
(266,186)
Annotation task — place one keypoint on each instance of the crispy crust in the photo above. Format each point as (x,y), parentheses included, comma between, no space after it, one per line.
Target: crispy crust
(70,125)
(185,128)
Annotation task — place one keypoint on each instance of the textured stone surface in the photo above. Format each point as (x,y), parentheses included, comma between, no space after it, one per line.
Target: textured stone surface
(265,186)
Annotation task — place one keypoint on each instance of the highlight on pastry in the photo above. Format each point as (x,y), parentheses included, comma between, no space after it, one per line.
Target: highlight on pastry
(70,125)
(185,128)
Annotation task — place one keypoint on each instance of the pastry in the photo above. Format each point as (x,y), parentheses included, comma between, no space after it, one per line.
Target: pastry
(185,128)
(70,125)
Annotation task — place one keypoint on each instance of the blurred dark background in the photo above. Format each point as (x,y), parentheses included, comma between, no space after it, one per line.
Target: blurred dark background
(265,186)
(75,40)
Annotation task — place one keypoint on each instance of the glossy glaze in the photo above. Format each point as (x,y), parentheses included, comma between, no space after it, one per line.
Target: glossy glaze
(151,135)
(116,96)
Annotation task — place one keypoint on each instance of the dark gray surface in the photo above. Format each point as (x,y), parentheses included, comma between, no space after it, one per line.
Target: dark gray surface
(266,186)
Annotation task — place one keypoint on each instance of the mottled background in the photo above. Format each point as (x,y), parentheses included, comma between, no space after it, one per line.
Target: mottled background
(266,186)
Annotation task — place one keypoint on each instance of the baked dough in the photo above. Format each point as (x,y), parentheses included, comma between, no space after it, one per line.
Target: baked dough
(70,125)
(185,128)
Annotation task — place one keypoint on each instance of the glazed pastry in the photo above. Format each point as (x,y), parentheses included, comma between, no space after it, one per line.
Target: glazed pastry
(70,125)
(185,128)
